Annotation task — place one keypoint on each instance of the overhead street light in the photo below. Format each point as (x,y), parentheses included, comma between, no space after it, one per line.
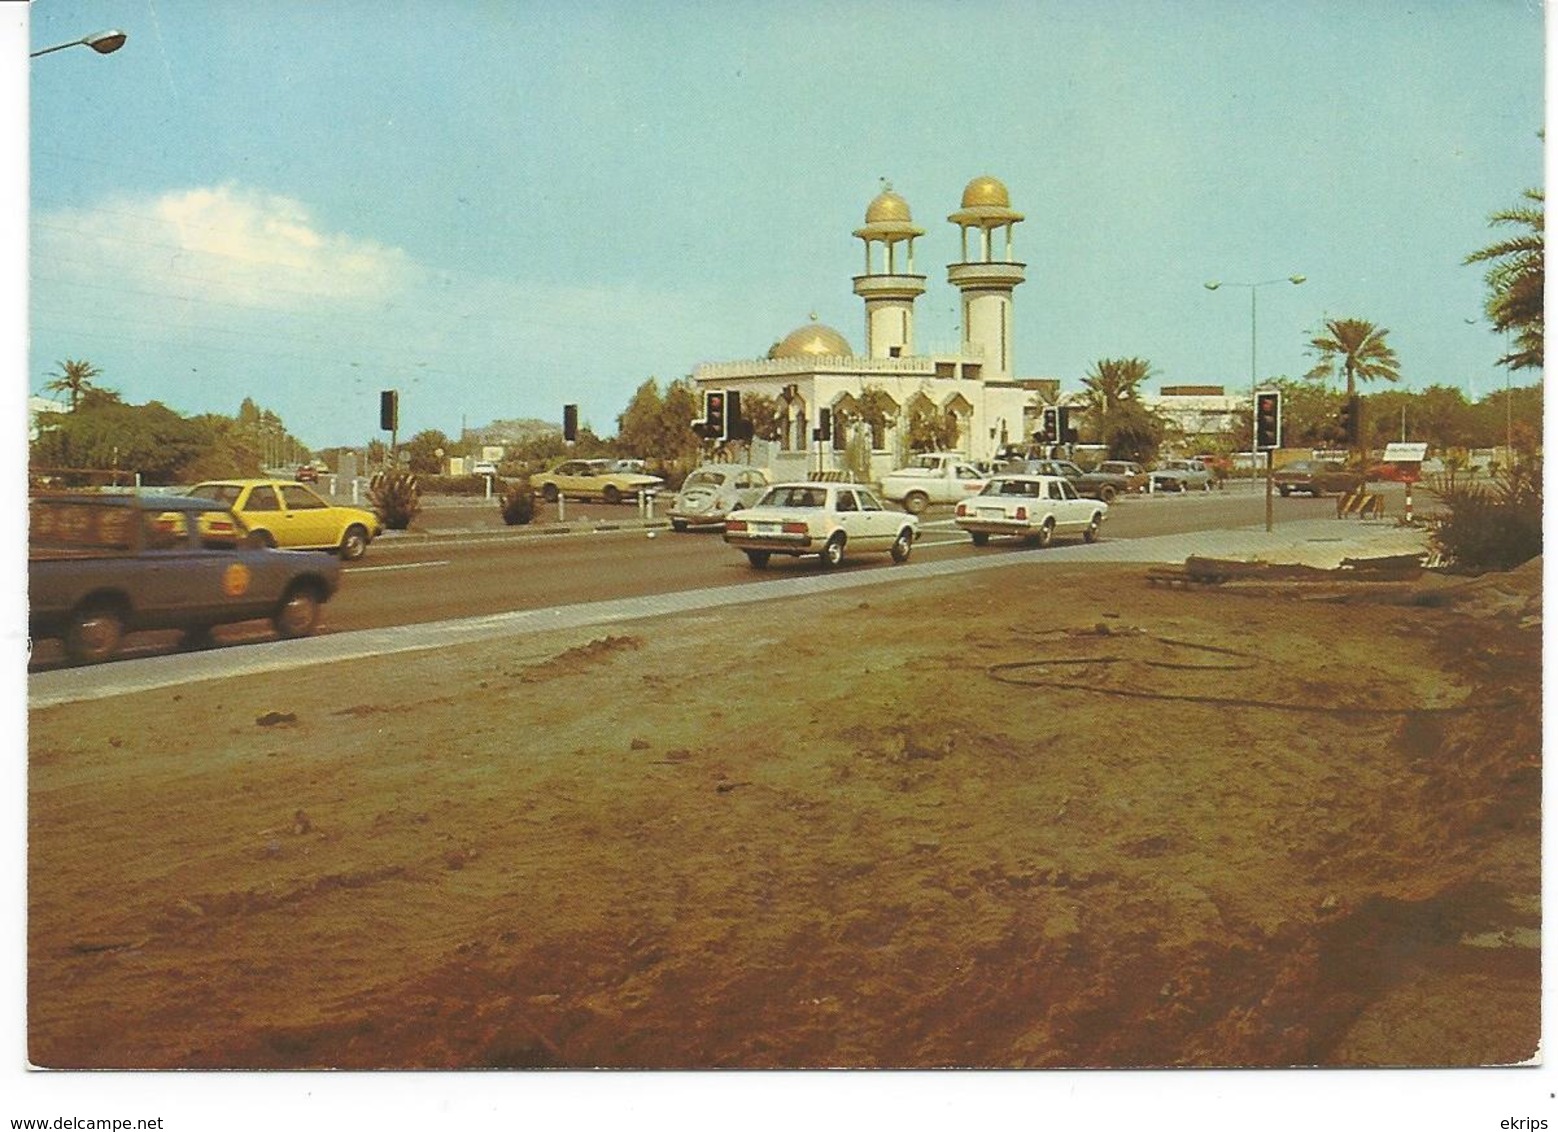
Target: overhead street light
(1213,285)
(103,42)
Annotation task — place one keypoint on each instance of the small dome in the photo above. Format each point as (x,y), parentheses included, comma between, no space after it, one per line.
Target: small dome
(812,340)
(986,191)
(887,208)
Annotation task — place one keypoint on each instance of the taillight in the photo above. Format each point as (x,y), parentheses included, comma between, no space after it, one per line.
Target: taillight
(735,524)
(962,508)
(1022,514)
(794,528)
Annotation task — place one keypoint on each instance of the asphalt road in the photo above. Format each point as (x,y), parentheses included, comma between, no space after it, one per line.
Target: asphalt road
(461,561)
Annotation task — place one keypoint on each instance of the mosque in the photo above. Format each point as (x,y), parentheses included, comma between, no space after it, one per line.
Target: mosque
(818,381)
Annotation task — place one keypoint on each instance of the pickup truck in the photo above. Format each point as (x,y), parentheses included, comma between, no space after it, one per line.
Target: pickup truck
(1181,475)
(1111,478)
(99,566)
(933,477)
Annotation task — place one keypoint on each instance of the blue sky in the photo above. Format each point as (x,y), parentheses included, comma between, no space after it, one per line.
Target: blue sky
(501,207)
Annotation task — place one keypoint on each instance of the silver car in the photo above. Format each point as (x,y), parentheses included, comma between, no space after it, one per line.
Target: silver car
(822,519)
(713,491)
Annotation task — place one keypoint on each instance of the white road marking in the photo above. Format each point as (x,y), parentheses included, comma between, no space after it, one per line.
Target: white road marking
(400,566)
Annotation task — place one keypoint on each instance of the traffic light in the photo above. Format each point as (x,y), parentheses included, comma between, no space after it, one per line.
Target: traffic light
(1350,419)
(824,429)
(570,422)
(1065,434)
(1268,420)
(735,427)
(1049,426)
(713,414)
(389,410)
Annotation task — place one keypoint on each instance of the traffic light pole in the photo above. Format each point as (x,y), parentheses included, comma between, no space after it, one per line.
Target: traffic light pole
(1269,485)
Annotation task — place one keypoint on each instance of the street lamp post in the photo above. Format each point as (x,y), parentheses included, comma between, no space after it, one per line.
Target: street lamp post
(1213,285)
(103,42)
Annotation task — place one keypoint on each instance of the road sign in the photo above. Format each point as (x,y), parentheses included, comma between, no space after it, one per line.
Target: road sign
(1405,453)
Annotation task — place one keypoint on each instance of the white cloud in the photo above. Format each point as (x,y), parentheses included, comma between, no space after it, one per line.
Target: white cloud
(223,244)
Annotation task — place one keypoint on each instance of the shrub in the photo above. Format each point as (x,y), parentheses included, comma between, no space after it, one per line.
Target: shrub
(395,497)
(1491,527)
(517,504)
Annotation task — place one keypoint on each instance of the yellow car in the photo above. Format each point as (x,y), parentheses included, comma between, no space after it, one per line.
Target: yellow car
(593,479)
(284,514)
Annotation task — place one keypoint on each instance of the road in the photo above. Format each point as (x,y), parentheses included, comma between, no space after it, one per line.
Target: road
(478,566)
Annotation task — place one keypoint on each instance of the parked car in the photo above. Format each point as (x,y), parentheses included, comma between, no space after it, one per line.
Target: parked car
(1033,508)
(933,477)
(593,479)
(277,513)
(99,566)
(307,473)
(713,491)
(1111,478)
(1181,475)
(1317,477)
(825,519)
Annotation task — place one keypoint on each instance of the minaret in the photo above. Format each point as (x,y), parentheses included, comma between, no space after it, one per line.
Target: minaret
(987,282)
(888,291)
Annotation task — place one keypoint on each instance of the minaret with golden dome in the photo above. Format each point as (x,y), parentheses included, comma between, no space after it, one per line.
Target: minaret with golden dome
(889,287)
(985,281)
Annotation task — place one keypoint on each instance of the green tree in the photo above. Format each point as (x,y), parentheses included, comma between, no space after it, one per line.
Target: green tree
(765,413)
(1358,349)
(1516,279)
(73,378)
(150,439)
(423,451)
(931,430)
(1110,385)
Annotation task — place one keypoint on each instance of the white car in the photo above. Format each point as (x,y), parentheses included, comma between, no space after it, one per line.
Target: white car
(1034,508)
(713,491)
(825,519)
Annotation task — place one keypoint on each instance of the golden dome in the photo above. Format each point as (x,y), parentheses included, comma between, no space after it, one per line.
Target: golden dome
(888,207)
(986,191)
(812,340)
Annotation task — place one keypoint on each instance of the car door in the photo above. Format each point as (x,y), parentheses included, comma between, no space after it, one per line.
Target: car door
(178,583)
(882,524)
(1072,512)
(309,518)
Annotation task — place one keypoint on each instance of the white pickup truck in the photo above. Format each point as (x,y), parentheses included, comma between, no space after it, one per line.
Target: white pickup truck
(933,477)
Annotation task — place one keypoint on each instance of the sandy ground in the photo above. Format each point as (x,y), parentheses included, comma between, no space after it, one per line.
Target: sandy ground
(1033,817)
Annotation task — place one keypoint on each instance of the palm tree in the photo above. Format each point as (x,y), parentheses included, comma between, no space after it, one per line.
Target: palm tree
(1359,348)
(74,378)
(1111,383)
(1515,281)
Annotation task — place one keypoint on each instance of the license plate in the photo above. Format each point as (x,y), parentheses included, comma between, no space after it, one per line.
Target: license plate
(766,528)
(991,513)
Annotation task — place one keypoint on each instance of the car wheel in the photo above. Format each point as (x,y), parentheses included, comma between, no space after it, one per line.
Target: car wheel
(1046,533)
(197,637)
(902,545)
(1091,533)
(833,553)
(1106,493)
(354,543)
(1284,491)
(678,526)
(94,633)
(916,502)
(262,539)
(549,492)
(610,494)
(298,612)
(758,559)
(980,537)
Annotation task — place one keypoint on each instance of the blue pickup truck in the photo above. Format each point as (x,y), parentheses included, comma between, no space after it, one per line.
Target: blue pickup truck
(101,566)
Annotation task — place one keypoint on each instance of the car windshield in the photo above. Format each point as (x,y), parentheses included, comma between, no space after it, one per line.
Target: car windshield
(795,496)
(704,479)
(929,463)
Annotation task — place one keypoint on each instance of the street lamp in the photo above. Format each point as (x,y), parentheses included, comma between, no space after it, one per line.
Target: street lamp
(1214,285)
(103,42)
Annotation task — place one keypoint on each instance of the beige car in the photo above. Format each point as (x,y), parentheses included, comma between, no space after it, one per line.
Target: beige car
(713,491)
(593,479)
